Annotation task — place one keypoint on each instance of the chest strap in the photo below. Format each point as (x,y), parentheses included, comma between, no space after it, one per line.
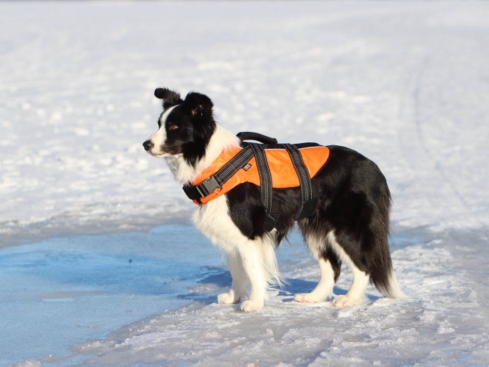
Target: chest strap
(208,186)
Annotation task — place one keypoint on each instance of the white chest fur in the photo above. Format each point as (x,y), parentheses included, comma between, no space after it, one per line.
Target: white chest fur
(213,220)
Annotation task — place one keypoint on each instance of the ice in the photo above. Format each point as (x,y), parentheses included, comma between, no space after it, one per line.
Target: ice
(91,226)
(443,323)
(72,289)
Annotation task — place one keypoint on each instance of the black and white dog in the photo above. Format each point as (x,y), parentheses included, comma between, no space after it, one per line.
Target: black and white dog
(350,223)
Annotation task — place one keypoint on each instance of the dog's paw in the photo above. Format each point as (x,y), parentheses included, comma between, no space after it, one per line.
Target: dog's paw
(228,298)
(345,301)
(308,298)
(251,306)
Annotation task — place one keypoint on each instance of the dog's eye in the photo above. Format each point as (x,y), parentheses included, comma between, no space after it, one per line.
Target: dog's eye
(173,127)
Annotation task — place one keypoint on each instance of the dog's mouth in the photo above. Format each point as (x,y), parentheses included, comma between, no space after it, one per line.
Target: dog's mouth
(164,151)
(158,155)
(167,150)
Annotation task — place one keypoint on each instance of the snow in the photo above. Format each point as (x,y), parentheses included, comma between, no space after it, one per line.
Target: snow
(444,322)
(99,264)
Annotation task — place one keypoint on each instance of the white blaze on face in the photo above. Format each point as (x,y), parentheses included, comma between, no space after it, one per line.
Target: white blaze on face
(159,137)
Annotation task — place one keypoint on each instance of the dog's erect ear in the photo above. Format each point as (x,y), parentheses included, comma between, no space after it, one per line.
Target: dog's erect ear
(169,97)
(199,105)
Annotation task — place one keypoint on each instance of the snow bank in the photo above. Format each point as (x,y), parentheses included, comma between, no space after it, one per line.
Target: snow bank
(404,83)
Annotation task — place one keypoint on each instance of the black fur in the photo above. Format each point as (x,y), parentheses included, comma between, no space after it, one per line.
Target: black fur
(170,98)
(354,202)
(193,120)
(354,199)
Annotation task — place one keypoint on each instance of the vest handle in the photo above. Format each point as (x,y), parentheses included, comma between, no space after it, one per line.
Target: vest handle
(248,135)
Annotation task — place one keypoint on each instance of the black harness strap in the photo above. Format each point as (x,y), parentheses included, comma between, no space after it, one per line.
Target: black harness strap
(308,196)
(265,185)
(235,164)
(308,199)
(214,182)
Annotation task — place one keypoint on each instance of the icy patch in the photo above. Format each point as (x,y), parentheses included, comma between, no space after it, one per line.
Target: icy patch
(63,291)
(442,324)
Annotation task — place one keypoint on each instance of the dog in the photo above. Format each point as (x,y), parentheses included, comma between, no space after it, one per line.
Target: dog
(349,224)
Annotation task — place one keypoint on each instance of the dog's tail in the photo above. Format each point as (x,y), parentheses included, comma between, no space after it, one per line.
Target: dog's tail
(269,262)
(388,286)
(382,273)
(379,259)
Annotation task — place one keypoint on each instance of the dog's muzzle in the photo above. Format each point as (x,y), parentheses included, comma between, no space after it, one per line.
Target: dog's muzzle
(148,145)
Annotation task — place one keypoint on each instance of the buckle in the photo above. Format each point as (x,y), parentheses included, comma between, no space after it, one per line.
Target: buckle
(208,186)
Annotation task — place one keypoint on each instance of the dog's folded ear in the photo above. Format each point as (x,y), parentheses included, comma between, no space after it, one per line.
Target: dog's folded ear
(169,97)
(199,105)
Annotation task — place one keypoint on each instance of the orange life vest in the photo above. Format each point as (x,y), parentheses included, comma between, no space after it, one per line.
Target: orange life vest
(283,172)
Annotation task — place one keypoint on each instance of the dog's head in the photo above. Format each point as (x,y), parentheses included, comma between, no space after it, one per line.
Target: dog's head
(185,126)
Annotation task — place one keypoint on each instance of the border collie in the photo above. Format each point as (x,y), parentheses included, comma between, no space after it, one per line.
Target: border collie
(350,223)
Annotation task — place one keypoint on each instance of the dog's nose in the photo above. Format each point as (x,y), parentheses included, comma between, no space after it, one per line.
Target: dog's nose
(148,144)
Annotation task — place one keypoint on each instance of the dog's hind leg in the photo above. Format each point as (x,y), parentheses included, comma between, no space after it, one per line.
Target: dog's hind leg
(330,267)
(356,294)
(240,280)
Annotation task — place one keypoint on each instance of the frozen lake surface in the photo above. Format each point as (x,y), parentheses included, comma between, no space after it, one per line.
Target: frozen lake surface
(63,291)
(58,294)
(99,265)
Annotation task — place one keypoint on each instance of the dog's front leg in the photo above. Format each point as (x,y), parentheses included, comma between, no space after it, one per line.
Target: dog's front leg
(240,279)
(253,264)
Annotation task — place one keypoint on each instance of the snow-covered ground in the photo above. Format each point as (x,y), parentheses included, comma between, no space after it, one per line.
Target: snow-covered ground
(83,279)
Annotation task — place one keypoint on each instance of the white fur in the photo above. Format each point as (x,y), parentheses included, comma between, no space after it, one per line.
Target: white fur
(325,286)
(220,141)
(254,261)
(159,137)
(250,261)
(394,289)
(356,293)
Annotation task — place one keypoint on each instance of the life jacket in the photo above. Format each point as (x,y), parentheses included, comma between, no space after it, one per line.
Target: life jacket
(269,166)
